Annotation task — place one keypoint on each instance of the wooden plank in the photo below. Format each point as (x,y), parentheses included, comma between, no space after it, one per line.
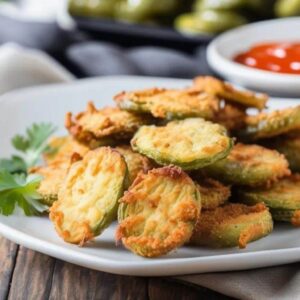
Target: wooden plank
(37,276)
(32,276)
(171,289)
(132,288)
(74,282)
(8,254)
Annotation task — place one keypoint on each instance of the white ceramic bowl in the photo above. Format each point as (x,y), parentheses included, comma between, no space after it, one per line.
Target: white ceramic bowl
(223,48)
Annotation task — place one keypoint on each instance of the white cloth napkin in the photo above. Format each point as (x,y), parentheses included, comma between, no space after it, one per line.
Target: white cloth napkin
(20,67)
(276,283)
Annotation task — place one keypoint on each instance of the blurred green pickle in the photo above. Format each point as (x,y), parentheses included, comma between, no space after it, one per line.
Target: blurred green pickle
(139,11)
(208,21)
(201,5)
(258,8)
(287,8)
(92,8)
(196,16)
(143,10)
(134,11)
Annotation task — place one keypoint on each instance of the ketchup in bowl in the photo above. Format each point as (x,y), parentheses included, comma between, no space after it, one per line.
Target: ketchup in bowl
(274,57)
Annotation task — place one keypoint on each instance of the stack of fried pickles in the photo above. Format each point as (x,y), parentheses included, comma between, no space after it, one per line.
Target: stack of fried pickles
(175,167)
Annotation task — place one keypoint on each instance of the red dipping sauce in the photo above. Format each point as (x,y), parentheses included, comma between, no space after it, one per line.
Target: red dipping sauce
(274,57)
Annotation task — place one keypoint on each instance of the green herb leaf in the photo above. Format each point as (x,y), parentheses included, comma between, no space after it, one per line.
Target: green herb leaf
(16,188)
(20,142)
(34,143)
(21,190)
(14,164)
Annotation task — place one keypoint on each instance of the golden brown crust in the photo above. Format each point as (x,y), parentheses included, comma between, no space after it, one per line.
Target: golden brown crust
(248,235)
(103,125)
(248,154)
(268,116)
(213,193)
(190,143)
(296,218)
(64,147)
(271,124)
(161,208)
(87,199)
(251,156)
(172,172)
(227,92)
(288,183)
(136,162)
(289,146)
(162,103)
(213,226)
(283,198)
(229,212)
(138,95)
(53,177)
(83,229)
(232,117)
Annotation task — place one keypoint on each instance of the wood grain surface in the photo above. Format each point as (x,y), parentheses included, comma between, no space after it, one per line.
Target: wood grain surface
(28,275)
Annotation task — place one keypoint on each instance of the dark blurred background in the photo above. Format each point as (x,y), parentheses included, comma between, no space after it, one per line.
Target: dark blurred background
(164,38)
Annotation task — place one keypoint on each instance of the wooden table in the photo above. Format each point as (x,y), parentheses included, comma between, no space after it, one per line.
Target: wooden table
(25,274)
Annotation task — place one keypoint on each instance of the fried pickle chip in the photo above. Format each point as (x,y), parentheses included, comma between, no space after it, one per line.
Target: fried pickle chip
(289,146)
(232,117)
(283,198)
(88,198)
(250,165)
(64,147)
(266,125)
(226,91)
(189,143)
(213,193)
(105,126)
(136,162)
(159,212)
(169,104)
(232,225)
(53,176)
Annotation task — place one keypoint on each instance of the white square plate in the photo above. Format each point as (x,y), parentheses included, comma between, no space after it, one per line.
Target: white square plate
(49,103)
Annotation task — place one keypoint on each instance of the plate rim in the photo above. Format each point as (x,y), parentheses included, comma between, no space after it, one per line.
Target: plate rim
(145,267)
(137,268)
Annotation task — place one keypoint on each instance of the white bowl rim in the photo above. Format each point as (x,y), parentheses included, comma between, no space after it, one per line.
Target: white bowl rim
(216,58)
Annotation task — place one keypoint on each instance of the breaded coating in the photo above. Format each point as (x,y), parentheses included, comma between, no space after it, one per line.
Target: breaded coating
(232,225)
(66,151)
(53,176)
(226,91)
(289,146)
(250,165)
(64,147)
(104,126)
(283,198)
(159,212)
(88,198)
(136,163)
(169,104)
(189,143)
(232,117)
(213,193)
(266,125)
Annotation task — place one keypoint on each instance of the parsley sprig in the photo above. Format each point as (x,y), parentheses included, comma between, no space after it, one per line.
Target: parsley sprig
(21,190)
(16,187)
(31,146)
